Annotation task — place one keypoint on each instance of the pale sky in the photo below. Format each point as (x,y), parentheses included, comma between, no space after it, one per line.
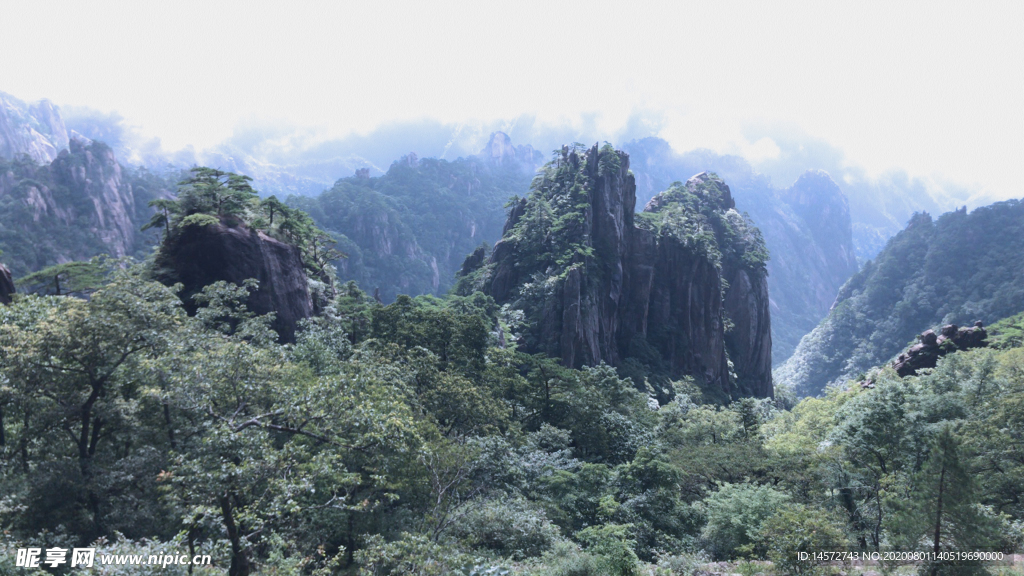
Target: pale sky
(933,88)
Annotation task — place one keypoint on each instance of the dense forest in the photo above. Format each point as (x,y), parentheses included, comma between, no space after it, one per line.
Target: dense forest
(420,437)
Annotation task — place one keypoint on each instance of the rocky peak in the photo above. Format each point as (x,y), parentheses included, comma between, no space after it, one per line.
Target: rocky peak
(613,289)
(37,130)
(499,149)
(500,152)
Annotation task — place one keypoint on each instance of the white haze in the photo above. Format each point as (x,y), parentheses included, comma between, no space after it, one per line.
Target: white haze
(930,88)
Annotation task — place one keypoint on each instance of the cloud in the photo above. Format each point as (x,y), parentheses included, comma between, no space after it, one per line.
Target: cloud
(893,85)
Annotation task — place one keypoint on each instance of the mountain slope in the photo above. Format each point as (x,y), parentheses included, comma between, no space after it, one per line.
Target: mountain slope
(408,231)
(954,270)
(80,205)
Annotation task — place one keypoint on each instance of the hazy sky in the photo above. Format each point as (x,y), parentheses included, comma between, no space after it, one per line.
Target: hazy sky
(935,88)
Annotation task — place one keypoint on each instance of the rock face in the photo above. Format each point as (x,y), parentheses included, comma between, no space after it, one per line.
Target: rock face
(926,353)
(37,131)
(627,292)
(6,285)
(198,256)
(76,207)
(807,228)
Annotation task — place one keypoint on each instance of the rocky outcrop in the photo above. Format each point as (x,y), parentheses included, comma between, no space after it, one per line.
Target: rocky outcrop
(76,207)
(500,151)
(36,131)
(93,171)
(807,228)
(634,290)
(926,353)
(6,285)
(198,256)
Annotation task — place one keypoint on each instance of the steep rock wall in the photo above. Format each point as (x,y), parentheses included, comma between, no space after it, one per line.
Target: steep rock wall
(198,256)
(79,205)
(610,290)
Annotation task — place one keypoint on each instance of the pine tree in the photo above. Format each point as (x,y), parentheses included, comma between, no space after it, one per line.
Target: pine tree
(943,510)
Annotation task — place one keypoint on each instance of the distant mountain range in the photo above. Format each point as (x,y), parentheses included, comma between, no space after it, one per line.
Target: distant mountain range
(408,223)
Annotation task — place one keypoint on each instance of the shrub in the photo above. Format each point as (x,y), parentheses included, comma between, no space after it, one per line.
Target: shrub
(796,528)
(735,514)
(510,527)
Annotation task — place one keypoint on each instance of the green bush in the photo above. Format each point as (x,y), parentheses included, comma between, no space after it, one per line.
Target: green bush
(614,548)
(510,527)
(796,528)
(735,514)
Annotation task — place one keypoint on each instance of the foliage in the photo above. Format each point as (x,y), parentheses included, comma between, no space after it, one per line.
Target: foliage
(735,514)
(77,278)
(402,439)
(797,528)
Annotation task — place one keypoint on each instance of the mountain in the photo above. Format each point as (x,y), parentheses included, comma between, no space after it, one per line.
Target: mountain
(80,205)
(408,231)
(65,197)
(807,228)
(36,130)
(677,290)
(957,269)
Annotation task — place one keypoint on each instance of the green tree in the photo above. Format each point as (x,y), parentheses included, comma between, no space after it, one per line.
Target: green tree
(942,508)
(71,367)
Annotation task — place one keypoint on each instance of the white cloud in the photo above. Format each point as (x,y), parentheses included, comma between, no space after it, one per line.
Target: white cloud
(933,88)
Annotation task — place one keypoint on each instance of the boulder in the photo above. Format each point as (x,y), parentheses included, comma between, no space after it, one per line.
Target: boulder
(198,256)
(926,353)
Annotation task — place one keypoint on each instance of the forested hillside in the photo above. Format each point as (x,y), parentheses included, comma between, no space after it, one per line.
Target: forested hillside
(407,232)
(410,439)
(957,269)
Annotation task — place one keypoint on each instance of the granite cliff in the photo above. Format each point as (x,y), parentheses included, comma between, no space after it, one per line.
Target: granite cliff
(81,204)
(36,130)
(807,228)
(677,290)
(198,256)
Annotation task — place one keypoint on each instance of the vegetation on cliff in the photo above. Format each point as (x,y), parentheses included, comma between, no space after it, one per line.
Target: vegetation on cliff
(647,293)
